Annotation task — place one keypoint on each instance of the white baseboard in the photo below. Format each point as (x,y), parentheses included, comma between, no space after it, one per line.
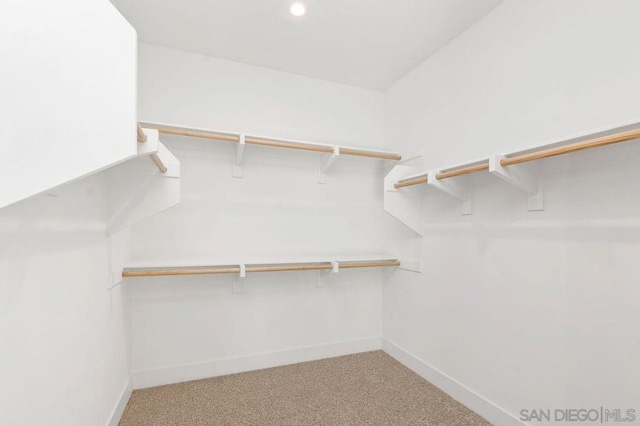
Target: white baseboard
(118,410)
(221,367)
(459,392)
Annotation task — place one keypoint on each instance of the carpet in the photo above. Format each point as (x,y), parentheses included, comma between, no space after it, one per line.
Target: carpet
(369,388)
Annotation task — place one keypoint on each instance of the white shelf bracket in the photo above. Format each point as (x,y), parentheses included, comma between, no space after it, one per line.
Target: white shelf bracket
(151,146)
(404,204)
(410,265)
(238,282)
(238,170)
(138,190)
(522,177)
(459,187)
(327,163)
(323,276)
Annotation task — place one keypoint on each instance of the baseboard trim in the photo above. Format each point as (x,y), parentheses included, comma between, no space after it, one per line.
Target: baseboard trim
(221,367)
(118,410)
(456,390)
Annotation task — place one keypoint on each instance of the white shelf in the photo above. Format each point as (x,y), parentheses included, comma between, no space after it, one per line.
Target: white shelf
(296,260)
(234,136)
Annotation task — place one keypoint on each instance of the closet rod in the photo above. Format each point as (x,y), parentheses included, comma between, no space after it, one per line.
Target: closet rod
(463,171)
(409,182)
(142,137)
(537,155)
(444,175)
(281,144)
(575,147)
(158,162)
(258,268)
(321,148)
(274,143)
(161,272)
(194,133)
(370,154)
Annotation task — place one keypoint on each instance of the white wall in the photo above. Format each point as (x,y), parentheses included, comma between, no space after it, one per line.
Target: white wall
(527,309)
(277,210)
(63,333)
(68,85)
(68,108)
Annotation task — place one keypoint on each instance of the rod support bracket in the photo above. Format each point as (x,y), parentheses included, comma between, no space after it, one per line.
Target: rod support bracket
(237,281)
(404,205)
(523,177)
(238,170)
(458,187)
(326,164)
(324,275)
(410,265)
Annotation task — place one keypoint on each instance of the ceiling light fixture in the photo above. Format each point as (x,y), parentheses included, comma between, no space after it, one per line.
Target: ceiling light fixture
(298,9)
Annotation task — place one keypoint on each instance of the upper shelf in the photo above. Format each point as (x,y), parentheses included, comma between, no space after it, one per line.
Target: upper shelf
(582,143)
(64,117)
(242,139)
(513,168)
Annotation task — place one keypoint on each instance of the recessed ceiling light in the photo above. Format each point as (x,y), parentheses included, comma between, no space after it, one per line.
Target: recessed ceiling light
(298,9)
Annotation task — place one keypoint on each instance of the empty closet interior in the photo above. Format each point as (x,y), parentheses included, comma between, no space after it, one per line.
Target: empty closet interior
(319,212)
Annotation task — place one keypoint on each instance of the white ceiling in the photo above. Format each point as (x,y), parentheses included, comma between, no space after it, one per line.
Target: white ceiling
(363,43)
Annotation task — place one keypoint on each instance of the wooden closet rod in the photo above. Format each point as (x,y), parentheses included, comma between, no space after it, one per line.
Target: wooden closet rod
(161,272)
(142,138)
(537,155)
(194,133)
(258,268)
(382,263)
(574,147)
(321,266)
(463,171)
(158,162)
(274,143)
(409,182)
(282,144)
(370,154)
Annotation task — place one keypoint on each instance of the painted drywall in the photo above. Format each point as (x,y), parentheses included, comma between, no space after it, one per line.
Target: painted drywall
(68,87)
(335,41)
(277,210)
(526,309)
(63,333)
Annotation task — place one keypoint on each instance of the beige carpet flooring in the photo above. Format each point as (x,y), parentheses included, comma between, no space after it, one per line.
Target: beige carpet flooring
(362,389)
